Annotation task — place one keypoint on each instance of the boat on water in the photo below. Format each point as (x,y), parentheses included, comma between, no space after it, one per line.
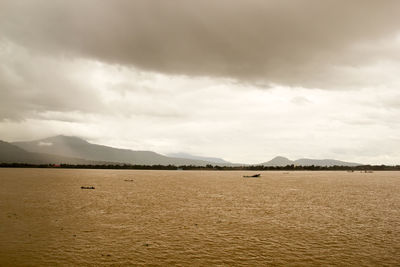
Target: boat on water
(252,176)
(87,187)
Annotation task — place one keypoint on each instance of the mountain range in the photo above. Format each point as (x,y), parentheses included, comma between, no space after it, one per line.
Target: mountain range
(208,159)
(74,150)
(74,147)
(282,161)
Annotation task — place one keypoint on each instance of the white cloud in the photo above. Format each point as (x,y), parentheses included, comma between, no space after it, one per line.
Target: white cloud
(45,144)
(218,117)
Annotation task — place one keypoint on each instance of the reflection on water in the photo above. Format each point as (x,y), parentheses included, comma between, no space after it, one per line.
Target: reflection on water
(198,218)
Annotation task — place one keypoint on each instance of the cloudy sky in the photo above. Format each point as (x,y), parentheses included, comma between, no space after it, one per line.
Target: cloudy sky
(242,80)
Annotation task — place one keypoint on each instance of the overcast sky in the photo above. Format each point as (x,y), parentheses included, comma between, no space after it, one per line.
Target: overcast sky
(241,80)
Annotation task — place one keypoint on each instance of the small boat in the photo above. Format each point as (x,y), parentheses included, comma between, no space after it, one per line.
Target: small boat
(252,176)
(87,187)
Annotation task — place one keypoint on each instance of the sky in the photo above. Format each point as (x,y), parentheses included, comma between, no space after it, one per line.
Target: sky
(242,80)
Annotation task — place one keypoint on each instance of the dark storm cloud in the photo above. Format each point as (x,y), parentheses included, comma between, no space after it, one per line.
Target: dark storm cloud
(287,42)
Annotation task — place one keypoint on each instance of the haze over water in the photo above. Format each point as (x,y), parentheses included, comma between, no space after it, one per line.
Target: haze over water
(198,218)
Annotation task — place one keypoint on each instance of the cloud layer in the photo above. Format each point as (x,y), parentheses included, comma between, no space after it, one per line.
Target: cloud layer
(307,43)
(242,80)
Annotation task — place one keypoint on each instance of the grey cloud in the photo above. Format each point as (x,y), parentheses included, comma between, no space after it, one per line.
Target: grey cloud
(297,43)
(392,102)
(30,85)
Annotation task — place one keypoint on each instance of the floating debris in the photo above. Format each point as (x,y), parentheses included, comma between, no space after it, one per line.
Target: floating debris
(87,187)
(252,176)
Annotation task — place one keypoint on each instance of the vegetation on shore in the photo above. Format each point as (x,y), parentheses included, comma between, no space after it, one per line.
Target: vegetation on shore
(207,167)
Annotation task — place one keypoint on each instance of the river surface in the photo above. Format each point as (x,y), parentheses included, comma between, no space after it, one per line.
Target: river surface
(198,218)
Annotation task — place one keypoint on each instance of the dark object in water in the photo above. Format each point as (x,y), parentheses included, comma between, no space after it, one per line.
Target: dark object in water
(127,180)
(252,176)
(87,187)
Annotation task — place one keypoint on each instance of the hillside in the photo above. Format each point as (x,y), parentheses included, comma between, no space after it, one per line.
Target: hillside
(70,146)
(10,153)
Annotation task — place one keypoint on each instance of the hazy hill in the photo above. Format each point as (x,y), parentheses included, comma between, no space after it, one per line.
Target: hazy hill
(324,162)
(70,146)
(189,156)
(282,161)
(278,161)
(12,154)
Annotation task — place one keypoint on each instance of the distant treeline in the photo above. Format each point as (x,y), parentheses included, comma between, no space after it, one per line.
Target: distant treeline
(207,167)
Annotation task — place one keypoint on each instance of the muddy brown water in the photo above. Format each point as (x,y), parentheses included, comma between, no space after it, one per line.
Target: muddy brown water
(198,218)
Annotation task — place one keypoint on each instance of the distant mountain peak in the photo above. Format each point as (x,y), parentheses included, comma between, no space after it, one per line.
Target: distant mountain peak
(280,158)
(278,161)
